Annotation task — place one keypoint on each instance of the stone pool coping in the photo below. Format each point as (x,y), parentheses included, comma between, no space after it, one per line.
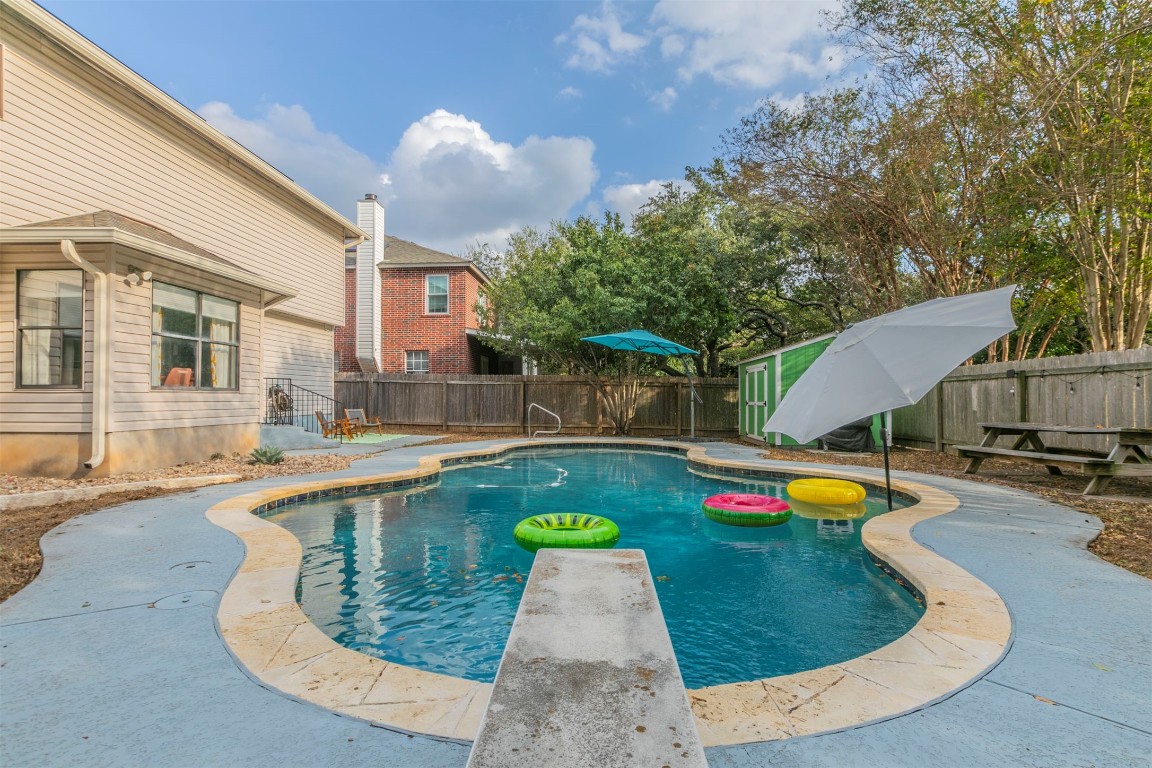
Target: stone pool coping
(965,630)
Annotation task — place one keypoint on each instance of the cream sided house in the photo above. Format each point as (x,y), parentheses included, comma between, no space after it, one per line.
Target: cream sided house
(155,276)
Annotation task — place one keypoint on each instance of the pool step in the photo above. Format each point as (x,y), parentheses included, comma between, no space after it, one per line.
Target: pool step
(588,677)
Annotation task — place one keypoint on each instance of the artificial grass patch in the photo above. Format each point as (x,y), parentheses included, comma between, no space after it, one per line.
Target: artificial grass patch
(370,438)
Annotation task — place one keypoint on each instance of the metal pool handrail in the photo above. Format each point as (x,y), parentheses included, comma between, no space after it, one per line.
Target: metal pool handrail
(532,434)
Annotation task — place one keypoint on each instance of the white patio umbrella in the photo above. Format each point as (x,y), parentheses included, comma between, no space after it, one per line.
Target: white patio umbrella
(890,361)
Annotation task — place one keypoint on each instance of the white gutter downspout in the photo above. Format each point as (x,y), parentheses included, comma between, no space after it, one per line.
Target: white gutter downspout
(99,354)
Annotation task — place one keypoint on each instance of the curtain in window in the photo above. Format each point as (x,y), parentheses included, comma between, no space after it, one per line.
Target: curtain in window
(220,356)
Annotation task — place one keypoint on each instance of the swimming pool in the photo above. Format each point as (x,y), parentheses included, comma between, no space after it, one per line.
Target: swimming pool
(430,576)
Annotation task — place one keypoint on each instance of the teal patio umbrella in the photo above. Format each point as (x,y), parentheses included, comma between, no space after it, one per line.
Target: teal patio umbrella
(643,341)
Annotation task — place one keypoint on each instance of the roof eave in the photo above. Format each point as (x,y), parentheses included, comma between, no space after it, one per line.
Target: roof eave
(479,274)
(49,235)
(789,348)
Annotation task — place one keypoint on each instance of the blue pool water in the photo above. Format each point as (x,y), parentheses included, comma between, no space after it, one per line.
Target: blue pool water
(431,577)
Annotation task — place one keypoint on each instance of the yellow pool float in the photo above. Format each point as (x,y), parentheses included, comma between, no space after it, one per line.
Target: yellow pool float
(826,490)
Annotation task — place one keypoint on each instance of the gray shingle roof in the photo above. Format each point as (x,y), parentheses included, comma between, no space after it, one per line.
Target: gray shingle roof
(401,252)
(113,220)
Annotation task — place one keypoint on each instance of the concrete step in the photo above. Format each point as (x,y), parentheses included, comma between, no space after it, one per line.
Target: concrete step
(290,438)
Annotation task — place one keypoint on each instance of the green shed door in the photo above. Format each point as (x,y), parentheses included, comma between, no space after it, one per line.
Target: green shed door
(758,385)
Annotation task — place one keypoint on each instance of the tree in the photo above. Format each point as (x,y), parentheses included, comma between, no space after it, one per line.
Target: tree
(1064,91)
(709,267)
(576,280)
(814,167)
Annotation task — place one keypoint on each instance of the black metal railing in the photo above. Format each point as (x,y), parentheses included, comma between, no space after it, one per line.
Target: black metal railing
(286,403)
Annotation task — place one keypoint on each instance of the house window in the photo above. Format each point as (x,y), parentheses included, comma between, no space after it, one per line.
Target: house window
(50,327)
(416,361)
(195,339)
(436,294)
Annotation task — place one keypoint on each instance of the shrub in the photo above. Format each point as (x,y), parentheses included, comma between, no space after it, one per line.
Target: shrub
(266,454)
(216,456)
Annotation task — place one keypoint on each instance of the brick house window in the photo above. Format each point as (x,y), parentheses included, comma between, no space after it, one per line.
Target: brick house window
(195,339)
(436,294)
(50,327)
(416,361)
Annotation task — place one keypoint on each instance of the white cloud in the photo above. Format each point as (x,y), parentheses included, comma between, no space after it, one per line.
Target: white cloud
(320,162)
(628,199)
(790,103)
(747,44)
(570,92)
(600,41)
(453,184)
(672,45)
(665,98)
(448,183)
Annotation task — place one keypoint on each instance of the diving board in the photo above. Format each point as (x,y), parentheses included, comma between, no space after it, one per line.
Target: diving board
(588,677)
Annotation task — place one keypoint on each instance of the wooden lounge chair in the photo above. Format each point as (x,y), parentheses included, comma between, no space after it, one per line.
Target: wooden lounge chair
(357,417)
(336,427)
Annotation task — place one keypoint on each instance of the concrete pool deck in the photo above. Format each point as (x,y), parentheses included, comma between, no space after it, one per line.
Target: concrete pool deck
(113,656)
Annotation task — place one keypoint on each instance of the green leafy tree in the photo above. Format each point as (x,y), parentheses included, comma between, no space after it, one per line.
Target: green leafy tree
(704,266)
(729,278)
(577,279)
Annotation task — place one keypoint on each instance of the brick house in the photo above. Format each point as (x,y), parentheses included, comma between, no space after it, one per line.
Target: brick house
(425,302)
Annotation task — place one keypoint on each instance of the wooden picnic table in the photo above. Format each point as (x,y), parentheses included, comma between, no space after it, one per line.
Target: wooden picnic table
(1127,456)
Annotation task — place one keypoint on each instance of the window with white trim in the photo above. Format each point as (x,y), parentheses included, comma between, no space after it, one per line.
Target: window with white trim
(416,361)
(50,327)
(195,339)
(436,294)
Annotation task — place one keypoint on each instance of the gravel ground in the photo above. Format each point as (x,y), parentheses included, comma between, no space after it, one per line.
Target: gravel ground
(1126,510)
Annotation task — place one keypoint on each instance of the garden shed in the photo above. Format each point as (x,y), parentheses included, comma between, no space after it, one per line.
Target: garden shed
(766,378)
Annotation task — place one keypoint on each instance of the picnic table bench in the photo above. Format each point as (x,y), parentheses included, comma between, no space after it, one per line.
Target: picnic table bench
(1127,456)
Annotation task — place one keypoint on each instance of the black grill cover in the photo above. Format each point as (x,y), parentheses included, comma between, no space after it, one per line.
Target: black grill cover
(852,438)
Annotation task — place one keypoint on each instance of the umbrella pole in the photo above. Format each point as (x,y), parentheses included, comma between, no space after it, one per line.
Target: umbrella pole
(692,397)
(887,471)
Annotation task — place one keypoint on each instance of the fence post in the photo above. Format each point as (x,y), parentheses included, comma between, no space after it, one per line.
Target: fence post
(679,408)
(523,402)
(939,417)
(444,405)
(1022,396)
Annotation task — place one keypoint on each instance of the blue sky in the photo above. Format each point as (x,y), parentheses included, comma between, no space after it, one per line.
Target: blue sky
(472,119)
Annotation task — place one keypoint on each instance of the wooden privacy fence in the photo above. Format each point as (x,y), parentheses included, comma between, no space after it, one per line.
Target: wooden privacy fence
(1107,389)
(500,403)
